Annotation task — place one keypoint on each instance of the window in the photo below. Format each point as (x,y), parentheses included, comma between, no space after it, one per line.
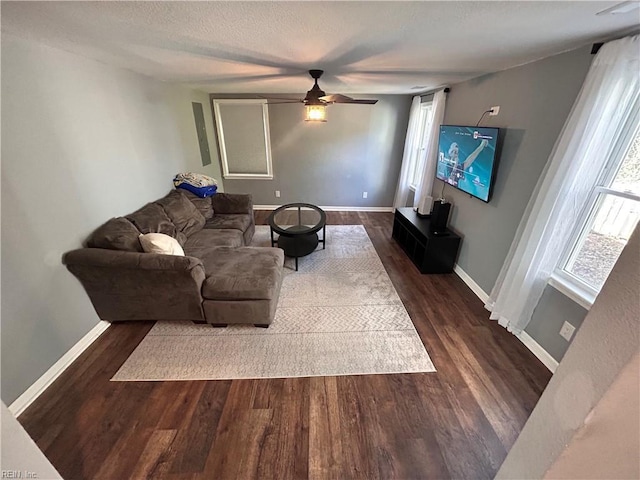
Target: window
(243,138)
(610,217)
(416,167)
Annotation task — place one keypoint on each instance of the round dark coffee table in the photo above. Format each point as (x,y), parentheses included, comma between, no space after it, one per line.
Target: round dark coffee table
(297,226)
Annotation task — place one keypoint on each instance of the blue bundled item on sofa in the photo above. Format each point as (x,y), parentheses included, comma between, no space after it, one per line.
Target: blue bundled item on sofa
(197,183)
(199,191)
(195,179)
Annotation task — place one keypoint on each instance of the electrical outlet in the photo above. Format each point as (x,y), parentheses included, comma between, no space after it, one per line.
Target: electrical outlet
(567,331)
(277,193)
(494,111)
(364,194)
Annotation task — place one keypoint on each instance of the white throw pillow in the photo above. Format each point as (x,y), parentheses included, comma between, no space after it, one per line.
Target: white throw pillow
(160,243)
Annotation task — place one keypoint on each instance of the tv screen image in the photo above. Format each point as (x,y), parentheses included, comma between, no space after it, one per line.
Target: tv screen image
(467,158)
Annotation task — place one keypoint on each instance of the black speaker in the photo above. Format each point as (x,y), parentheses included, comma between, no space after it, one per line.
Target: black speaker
(439,217)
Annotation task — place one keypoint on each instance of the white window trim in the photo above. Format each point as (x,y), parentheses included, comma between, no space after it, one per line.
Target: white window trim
(618,193)
(563,281)
(423,129)
(573,288)
(223,152)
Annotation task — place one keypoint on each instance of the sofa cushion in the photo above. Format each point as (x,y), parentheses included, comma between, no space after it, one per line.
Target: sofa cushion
(184,215)
(203,205)
(227,221)
(116,234)
(206,239)
(182,238)
(245,273)
(152,219)
(160,243)
(232,203)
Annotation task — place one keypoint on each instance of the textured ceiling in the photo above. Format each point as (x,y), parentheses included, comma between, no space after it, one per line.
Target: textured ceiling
(364,47)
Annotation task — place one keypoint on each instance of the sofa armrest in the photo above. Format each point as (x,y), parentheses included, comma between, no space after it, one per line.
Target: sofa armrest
(101,257)
(139,286)
(234,203)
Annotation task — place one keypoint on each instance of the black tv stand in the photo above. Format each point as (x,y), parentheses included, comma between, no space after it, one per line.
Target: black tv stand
(431,252)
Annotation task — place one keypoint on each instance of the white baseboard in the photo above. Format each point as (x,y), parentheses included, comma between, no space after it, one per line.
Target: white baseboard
(40,385)
(535,348)
(333,208)
(528,341)
(475,288)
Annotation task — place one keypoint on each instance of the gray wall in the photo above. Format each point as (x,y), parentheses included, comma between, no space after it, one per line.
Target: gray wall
(81,142)
(358,149)
(604,345)
(535,100)
(553,309)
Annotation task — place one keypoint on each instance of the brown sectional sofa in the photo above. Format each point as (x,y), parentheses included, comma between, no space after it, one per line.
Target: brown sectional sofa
(219,281)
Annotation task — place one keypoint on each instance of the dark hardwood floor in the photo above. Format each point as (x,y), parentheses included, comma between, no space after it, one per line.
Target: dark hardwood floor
(456,423)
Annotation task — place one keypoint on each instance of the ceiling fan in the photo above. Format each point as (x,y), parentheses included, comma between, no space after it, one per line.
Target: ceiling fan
(316,100)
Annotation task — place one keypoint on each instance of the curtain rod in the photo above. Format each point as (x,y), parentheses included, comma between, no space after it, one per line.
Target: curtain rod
(630,32)
(446,90)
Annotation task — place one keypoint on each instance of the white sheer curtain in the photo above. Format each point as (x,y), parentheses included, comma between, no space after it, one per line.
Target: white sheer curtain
(606,105)
(411,144)
(425,186)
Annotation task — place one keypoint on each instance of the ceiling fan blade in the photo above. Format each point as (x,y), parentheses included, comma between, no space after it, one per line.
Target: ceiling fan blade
(362,102)
(338,98)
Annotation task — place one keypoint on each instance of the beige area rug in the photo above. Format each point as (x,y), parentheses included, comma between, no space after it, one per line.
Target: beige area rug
(338,315)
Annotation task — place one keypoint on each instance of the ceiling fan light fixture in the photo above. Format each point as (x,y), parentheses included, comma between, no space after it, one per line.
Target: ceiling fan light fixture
(317,100)
(316,113)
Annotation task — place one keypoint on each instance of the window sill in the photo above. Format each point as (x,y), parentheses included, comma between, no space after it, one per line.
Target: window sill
(246,176)
(575,292)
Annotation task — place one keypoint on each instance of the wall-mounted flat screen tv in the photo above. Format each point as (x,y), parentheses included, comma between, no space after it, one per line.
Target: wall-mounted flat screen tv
(467,158)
